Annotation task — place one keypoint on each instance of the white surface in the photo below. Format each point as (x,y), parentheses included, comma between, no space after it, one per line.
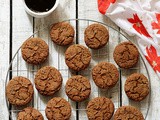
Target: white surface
(23,25)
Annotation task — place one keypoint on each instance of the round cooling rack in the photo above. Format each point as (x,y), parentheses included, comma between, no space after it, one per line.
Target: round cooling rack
(18,67)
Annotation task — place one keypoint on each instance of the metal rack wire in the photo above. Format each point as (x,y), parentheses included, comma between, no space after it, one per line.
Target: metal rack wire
(19,68)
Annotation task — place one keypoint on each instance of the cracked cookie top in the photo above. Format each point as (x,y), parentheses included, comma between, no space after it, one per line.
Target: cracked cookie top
(96,36)
(48,80)
(100,108)
(58,109)
(77,57)
(78,88)
(105,75)
(128,113)
(62,33)
(126,55)
(29,113)
(19,91)
(137,87)
(35,51)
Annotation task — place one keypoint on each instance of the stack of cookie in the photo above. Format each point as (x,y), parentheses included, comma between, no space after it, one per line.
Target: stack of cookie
(48,80)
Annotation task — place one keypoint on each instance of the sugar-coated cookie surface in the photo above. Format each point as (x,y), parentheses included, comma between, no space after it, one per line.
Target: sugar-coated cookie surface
(96,36)
(48,80)
(137,87)
(35,51)
(58,109)
(105,75)
(126,55)
(19,91)
(78,88)
(128,113)
(100,108)
(29,113)
(62,33)
(77,57)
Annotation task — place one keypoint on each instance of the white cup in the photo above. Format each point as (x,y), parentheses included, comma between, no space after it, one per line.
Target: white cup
(40,14)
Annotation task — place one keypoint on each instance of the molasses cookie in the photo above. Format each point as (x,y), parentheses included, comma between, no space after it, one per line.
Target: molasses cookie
(137,87)
(19,91)
(29,113)
(62,33)
(77,57)
(78,88)
(48,80)
(58,109)
(100,108)
(126,55)
(105,75)
(35,51)
(128,113)
(96,36)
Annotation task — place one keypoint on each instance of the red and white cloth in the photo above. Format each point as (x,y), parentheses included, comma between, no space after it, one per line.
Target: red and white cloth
(140,18)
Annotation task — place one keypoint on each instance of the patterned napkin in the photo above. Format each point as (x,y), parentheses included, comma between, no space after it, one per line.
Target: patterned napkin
(140,18)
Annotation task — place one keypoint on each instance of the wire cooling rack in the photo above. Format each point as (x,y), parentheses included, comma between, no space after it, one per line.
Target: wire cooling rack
(18,67)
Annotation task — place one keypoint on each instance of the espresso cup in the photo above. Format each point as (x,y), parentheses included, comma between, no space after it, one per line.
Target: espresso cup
(40,14)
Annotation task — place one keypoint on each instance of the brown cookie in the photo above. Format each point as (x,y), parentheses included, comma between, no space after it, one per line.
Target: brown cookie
(78,88)
(100,108)
(62,33)
(96,36)
(126,55)
(29,113)
(137,87)
(77,57)
(35,51)
(58,109)
(48,80)
(128,113)
(105,75)
(19,91)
